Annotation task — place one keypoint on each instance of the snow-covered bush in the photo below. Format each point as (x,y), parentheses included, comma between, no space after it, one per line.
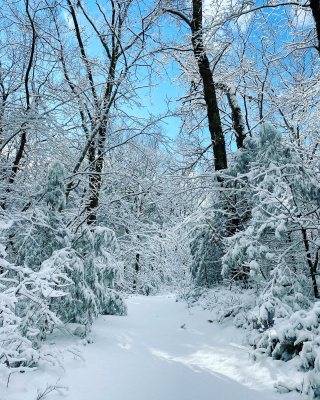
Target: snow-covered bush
(222,212)
(33,303)
(55,187)
(26,316)
(79,304)
(15,349)
(102,268)
(297,335)
(37,291)
(276,250)
(278,247)
(53,276)
(207,250)
(41,229)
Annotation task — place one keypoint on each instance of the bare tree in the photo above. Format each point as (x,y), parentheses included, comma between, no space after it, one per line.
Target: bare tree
(120,33)
(209,91)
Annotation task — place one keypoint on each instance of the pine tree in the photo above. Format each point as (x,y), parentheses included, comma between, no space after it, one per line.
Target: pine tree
(207,250)
(277,248)
(42,229)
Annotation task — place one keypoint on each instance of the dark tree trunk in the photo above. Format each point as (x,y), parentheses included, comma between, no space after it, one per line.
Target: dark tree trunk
(96,145)
(23,137)
(95,178)
(315,8)
(137,270)
(210,96)
(236,113)
(237,120)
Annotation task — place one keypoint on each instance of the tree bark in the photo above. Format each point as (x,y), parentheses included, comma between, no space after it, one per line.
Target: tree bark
(315,8)
(96,147)
(236,113)
(137,270)
(210,96)
(23,137)
(312,266)
(237,119)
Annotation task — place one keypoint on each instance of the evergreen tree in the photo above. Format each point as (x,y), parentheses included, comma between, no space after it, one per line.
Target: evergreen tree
(278,249)
(41,229)
(207,251)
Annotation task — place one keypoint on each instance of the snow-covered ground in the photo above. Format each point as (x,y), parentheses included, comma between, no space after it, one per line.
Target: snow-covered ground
(161,351)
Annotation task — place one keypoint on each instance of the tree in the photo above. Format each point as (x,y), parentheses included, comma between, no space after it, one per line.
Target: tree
(101,88)
(280,236)
(209,90)
(42,229)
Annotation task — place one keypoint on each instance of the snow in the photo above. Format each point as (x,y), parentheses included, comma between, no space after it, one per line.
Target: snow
(161,351)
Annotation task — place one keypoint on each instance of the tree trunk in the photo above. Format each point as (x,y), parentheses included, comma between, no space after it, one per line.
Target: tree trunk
(23,137)
(315,8)
(236,113)
(96,147)
(137,270)
(312,266)
(210,96)
(237,119)
(95,178)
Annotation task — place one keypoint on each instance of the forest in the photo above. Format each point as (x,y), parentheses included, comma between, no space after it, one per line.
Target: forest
(160,147)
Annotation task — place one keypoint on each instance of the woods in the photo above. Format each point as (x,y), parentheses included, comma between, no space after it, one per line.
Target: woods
(150,147)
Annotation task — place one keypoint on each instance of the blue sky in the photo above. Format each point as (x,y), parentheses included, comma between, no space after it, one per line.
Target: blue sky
(154,100)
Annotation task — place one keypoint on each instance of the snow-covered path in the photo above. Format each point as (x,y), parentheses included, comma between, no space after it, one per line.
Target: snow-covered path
(161,351)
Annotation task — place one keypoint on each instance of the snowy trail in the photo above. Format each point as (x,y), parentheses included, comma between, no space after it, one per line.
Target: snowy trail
(148,356)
